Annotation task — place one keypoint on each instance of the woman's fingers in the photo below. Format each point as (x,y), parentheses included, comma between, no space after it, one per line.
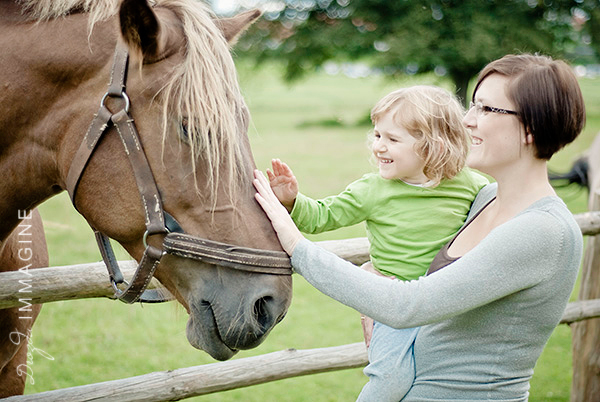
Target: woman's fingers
(264,189)
(262,185)
(286,230)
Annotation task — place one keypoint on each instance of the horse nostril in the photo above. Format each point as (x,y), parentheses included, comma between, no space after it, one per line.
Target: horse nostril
(262,313)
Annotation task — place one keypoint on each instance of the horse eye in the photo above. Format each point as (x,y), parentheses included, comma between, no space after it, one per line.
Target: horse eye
(183,130)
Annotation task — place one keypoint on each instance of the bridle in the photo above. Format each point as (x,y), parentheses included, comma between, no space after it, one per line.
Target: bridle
(158,222)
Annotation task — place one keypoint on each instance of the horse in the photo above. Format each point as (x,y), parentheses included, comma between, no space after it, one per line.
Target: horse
(160,162)
(23,250)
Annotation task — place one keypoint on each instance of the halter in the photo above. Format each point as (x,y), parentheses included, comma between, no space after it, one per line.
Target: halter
(158,222)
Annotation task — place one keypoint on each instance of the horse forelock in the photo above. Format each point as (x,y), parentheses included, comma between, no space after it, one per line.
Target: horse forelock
(203,90)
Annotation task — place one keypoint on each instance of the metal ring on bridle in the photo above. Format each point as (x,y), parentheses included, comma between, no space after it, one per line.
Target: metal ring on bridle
(115,286)
(146,234)
(145,238)
(123,95)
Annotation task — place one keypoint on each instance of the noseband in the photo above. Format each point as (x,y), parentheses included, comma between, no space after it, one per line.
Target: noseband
(158,222)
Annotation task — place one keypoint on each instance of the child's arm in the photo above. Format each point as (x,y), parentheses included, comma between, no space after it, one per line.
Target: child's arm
(283,183)
(317,216)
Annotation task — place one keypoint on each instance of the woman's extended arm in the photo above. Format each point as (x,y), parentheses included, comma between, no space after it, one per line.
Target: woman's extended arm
(515,256)
(524,251)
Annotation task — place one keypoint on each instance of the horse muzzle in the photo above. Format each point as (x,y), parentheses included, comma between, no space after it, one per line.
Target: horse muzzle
(233,318)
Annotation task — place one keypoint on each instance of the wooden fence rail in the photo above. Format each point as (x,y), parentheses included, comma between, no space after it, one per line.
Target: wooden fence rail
(43,285)
(209,378)
(589,222)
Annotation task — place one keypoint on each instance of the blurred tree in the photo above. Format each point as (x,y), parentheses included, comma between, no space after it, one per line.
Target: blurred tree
(450,37)
(591,17)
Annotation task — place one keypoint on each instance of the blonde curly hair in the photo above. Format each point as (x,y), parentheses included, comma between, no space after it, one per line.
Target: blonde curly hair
(433,116)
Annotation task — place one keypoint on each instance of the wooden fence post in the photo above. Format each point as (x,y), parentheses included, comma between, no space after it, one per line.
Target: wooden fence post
(585,386)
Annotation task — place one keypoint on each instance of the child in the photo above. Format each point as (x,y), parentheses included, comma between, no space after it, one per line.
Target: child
(416,203)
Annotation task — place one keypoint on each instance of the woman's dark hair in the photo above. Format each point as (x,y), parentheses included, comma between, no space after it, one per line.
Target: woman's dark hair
(547,98)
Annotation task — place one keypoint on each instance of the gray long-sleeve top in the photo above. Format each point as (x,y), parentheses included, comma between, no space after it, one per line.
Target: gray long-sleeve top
(486,317)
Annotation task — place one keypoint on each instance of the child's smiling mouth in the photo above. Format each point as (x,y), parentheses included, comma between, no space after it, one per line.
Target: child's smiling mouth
(476,140)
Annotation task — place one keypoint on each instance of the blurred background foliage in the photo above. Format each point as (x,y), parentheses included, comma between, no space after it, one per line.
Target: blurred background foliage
(453,38)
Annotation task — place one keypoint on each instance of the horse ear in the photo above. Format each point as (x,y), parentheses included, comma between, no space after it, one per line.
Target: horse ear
(234,26)
(140,27)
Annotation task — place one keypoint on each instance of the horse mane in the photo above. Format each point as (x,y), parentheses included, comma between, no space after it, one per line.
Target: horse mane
(202,91)
(49,9)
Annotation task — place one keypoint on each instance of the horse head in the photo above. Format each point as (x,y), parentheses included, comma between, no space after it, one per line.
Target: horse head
(183,95)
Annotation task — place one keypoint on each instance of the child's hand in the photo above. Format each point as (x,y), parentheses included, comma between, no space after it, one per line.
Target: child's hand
(283,183)
(367,324)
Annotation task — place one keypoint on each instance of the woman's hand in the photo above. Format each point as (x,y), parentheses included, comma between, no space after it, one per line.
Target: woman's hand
(284,226)
(283,183)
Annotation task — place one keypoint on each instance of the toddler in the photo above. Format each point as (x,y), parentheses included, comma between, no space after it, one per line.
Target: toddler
(412,207)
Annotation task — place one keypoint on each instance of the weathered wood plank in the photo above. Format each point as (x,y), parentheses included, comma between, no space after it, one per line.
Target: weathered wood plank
(42,285)
(355,250)
(589,222)
(209,378)
(581,310)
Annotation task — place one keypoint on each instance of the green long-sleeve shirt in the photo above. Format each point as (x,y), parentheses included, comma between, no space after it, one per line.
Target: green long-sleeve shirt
(406,224)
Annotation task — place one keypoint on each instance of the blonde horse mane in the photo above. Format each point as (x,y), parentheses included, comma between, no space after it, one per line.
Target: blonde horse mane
(203,91)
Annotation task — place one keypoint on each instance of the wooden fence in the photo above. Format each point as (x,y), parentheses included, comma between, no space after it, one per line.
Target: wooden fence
(585,385)
(90,280)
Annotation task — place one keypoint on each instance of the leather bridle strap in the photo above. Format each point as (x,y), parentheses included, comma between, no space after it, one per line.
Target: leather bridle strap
(158,222)
(103,121)
(227,255)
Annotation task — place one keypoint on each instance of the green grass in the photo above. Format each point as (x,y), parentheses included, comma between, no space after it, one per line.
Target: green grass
(312,127)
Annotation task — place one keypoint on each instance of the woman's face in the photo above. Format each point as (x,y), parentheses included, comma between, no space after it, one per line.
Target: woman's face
(497,138)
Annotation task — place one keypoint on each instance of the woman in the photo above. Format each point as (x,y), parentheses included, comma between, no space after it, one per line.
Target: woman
(494,293)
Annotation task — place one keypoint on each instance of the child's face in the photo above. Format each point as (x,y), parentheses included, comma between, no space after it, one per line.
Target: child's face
(393,148)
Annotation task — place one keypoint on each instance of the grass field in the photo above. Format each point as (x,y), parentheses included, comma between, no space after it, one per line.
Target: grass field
(312,126)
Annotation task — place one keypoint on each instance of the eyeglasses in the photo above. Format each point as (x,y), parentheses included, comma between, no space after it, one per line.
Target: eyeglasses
(482,109)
